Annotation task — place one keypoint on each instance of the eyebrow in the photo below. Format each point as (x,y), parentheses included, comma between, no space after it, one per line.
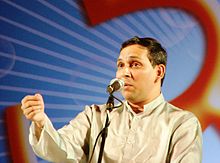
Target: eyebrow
(130,57)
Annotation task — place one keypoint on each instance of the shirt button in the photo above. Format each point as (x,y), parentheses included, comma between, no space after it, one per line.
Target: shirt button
(131,141)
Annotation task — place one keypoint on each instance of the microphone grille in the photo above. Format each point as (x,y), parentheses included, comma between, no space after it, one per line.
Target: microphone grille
(118,84)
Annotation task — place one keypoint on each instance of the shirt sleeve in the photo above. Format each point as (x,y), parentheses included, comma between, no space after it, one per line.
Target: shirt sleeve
(186,143)
(68,144)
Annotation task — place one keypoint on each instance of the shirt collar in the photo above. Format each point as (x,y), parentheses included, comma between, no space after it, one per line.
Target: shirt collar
(148,108)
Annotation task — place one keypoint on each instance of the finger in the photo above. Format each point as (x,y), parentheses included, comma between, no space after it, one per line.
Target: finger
(32,114)
(28,110)
(39,97)
(31,103)
(28,98)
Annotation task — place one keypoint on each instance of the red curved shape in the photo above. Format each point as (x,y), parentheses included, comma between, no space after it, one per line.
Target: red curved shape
(102,10)
(17,129)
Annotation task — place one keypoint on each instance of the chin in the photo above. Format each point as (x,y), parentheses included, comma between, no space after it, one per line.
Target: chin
(128,96)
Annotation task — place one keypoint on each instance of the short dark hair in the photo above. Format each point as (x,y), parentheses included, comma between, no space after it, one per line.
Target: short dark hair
(157,54)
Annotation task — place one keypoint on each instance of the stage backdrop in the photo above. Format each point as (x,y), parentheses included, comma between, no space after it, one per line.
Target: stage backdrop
(67,50)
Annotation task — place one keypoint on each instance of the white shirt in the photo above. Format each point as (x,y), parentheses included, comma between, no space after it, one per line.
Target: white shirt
(162,133)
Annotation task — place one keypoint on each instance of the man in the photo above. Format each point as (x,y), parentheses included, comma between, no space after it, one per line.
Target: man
(145,128)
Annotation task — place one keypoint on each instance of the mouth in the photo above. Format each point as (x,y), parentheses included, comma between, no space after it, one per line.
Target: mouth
(127,85)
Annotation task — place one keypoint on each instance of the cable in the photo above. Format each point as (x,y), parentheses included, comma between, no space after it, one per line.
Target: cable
(93,150)
(100,133)
(118,101)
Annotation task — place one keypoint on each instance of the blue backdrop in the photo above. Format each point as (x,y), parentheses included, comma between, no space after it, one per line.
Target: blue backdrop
(47,47)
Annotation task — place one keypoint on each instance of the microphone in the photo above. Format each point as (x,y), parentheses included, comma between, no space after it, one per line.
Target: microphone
(115,85)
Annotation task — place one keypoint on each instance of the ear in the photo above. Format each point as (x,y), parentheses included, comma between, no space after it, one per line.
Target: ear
(160,71)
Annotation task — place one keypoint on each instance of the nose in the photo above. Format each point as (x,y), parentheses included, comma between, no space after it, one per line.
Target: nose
(124,72)
(127,72)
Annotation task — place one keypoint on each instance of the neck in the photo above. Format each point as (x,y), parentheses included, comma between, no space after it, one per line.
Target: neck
(138,107)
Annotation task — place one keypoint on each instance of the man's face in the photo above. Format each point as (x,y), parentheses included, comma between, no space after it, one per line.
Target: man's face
(134,67)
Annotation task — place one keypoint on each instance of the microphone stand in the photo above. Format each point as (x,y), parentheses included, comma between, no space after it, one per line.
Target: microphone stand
(110,105)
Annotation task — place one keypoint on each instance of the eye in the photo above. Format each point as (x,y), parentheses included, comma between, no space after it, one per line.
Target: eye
(120,64)
(136,64)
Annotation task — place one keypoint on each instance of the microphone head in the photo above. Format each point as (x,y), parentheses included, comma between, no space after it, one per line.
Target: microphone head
(115,85)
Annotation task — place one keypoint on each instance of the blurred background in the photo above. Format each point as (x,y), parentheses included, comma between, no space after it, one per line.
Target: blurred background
(67,51)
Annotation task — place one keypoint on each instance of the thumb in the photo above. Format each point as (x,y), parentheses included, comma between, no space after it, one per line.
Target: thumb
(38,95)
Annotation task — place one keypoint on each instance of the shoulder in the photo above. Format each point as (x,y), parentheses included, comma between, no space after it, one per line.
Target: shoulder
(94,111)
(94,108)
(179,112)
(180,116)
(100,108)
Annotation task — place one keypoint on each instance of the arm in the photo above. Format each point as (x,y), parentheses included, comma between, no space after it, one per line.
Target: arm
(68,144)
(64,145)
(186,143)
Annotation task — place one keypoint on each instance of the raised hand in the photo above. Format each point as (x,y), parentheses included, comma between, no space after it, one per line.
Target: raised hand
(33,109)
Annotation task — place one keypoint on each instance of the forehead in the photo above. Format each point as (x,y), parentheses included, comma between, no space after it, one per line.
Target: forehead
(133,51)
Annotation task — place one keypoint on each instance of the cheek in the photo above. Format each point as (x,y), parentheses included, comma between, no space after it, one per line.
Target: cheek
(118,74)
(144,78)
